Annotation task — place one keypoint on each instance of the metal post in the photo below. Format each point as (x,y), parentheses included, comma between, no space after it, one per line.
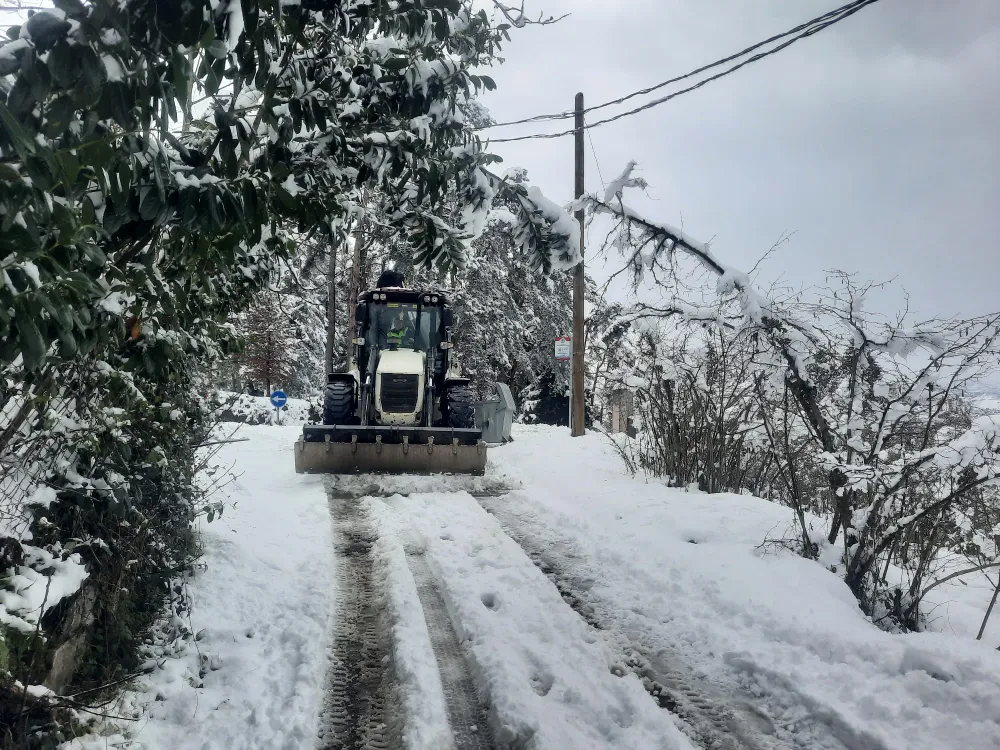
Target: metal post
(577,392)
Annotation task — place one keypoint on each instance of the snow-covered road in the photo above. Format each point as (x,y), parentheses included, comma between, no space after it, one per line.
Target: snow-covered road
(554,603)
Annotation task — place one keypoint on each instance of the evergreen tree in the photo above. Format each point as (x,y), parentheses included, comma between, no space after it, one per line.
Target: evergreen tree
(268,356)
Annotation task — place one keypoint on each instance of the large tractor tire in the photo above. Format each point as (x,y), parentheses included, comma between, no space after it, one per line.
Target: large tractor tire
(459,407)
(338,403)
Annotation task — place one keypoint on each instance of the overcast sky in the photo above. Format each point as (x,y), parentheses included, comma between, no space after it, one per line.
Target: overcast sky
(876,141)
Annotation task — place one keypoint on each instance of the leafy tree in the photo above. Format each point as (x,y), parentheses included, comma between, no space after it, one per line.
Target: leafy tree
(157,163)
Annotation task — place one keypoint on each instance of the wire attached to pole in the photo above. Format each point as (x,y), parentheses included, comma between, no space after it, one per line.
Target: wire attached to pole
(807,30)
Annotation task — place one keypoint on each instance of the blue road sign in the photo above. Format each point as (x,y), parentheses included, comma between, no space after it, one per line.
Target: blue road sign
(278,399)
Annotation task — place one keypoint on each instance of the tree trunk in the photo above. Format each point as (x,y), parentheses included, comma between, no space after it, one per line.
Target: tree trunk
(989,611)
(354,288)
(331,306)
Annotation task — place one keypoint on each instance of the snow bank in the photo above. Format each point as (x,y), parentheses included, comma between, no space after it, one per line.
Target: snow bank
(28,594)
(680,573)
(261,608)
(255,410)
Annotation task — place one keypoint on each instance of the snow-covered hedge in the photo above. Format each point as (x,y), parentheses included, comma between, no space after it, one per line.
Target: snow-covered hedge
(862,419)
(136,221)
(241,407)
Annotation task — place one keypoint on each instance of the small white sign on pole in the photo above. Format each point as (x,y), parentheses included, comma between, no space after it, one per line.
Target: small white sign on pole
(564,348)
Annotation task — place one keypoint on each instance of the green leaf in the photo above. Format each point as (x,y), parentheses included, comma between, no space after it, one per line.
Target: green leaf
(67,341)
(218,219)
(285,198)
(150,206)
(20,100)
(9,174)
(88,216)
(72,8)
(88,91)
(179,76)
(280,171)
(29,337)
(61,65)
(58,116)
(98,153)
(40,173)
(395,63)
(69,167)
(218,49)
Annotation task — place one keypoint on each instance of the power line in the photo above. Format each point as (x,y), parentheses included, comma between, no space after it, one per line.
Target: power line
(804,30)
(566,114)
(848,9)
(594,152)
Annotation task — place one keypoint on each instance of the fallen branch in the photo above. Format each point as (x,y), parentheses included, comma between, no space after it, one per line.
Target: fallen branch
(220,442)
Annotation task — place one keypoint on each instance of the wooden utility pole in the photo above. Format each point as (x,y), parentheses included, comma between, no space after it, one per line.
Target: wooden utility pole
(579,400)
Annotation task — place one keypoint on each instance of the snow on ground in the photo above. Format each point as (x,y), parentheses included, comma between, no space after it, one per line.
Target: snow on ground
(679,571)
(241,407)
(546,673)
(262,606)
(677,574)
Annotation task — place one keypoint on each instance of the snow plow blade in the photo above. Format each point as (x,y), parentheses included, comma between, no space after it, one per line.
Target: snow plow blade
(348,449)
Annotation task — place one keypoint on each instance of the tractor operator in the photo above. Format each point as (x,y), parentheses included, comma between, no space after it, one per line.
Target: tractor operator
(400,335)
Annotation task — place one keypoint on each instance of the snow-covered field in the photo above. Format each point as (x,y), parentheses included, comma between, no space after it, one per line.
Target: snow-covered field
(573,592)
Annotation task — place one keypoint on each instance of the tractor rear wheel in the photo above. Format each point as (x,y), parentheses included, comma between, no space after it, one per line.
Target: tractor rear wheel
(459,407)
(338,403)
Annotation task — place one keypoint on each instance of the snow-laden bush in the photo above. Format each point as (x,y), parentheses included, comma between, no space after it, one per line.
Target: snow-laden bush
(818,402)
(254,410)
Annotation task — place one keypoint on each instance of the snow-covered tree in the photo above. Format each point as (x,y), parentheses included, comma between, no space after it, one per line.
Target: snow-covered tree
(862,411)
(157,163)
(268,354)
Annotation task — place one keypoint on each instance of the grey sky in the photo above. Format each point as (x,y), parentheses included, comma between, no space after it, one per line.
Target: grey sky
(876,141)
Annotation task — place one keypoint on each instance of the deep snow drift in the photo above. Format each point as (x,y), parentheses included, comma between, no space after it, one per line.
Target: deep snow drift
(670,574)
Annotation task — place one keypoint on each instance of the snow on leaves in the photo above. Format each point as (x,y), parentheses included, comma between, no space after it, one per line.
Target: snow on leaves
(156,161)
(866,412)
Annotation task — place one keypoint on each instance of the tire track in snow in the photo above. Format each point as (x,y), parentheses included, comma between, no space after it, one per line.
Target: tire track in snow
(466,715)
(706,719)
(356,710)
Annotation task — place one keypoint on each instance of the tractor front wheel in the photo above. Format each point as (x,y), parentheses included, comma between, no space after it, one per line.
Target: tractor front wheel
(338,403)
(459,407)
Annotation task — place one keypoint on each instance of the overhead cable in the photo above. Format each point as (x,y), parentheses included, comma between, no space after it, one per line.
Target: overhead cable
(800,32)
